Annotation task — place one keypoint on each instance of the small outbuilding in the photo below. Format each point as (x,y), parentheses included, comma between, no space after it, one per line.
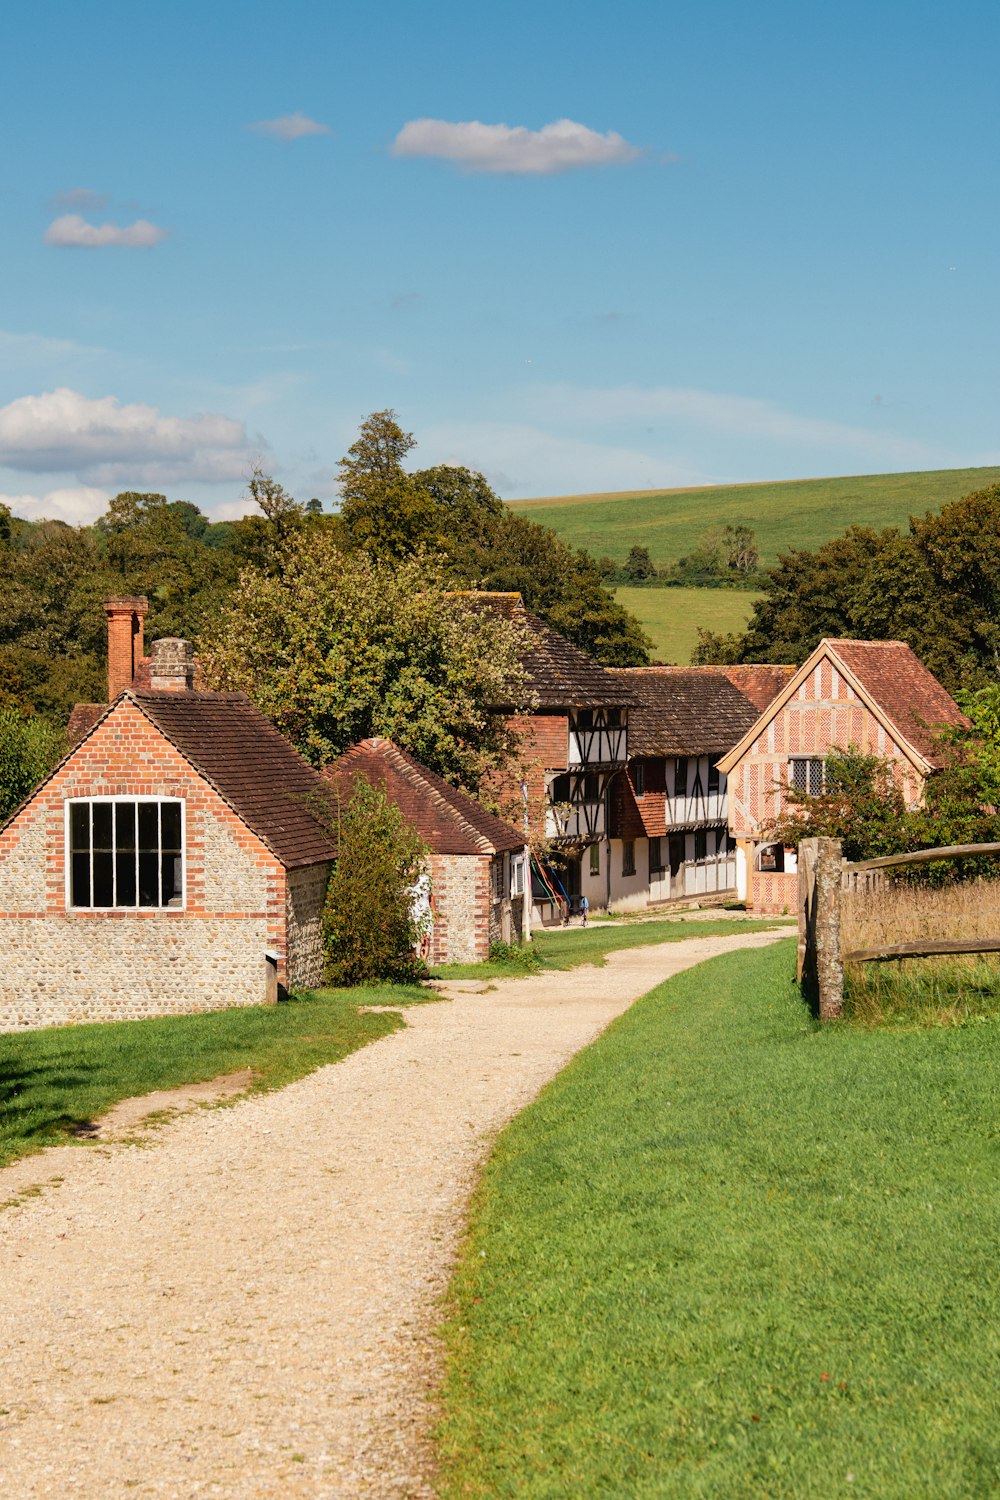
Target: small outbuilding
(478,863)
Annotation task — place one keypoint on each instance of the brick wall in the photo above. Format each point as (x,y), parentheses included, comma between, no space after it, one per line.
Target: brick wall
(542,746)
(773,892)
(61,965)
(460,898)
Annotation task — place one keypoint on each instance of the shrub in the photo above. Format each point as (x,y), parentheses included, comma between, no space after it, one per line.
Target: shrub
(520,957)
(370,929)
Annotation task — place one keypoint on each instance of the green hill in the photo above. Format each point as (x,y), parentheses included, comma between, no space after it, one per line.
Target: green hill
(788,513)
(672,617)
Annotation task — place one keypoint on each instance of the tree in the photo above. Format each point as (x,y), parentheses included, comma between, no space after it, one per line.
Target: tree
(385,510)
(29,748)
(639,565)
(336,647)
(741,550)
(861,804)
(370,933)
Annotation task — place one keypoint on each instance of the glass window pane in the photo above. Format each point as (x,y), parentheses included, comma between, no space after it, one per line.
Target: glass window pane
(171,875)
(149,826)
(124,825)
(149,876)
(104,891)
(79,830)
(170,826)
(80,880)
(102,825)
(125,871)
(681,777)
(815,778)
(798,777)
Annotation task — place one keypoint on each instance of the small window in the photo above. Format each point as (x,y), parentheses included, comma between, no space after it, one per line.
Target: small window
(125,854)
(614,718)
(560,791)
(639,778)
(591,787)
(713,778)
(595,859)
(517,876)
(585,720)
(496,869)
(628,856)
(807,775)
(655,857)
(701,844)
(681,776)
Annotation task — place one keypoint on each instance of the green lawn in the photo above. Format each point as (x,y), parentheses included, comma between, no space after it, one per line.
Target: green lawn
(792,513)
(729,1254)
(568,948)
(56,1080)
(672,617)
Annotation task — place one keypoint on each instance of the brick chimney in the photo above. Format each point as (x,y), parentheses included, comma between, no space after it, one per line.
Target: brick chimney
(125,651)
(171,665)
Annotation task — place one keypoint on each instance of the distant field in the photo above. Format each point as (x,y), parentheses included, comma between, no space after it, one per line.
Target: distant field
(792,513)
(672,617)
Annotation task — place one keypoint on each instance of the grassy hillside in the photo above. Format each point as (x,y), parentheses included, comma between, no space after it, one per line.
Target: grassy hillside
(671,617)
(790,513)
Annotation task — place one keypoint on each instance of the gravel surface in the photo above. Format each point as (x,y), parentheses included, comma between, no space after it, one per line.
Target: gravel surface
(246,1306)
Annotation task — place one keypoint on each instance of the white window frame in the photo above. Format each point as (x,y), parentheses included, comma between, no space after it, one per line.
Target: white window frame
(141,911)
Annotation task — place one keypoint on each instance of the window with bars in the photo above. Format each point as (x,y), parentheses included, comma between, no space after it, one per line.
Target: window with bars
(701,844)
(655,857)
(639,778)
(595,859)
(713,778)
(681,776)
(125,853)
(517,876)
(808,774)
(628,856)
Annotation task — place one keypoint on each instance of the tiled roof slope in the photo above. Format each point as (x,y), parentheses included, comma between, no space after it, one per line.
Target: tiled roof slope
(559,674)
(253,767)
(907,693)
(684,711)
(760,683)
(449,821)
(82,718)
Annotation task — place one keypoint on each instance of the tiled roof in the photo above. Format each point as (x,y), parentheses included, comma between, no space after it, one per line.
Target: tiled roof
(82,718)
(239,752)
(449,821)
(684,711)
(908,694)
(760,683)
(559,674)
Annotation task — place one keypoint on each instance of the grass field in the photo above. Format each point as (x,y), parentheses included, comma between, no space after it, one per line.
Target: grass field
(55,1080)
(672,617)
(792,513)
(567,949)
(728,1253)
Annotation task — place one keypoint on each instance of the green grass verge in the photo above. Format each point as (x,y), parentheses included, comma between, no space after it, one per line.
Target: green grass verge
(56,1080)
(568,948)
(727,1253)
(672,617)
(792,513)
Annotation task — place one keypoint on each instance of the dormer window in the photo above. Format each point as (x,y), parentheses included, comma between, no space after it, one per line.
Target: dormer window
(125,853)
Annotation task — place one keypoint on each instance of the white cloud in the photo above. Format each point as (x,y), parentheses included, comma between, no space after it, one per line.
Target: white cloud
(74,232)
(82,198)
(560,147)
(736,416)
(105,442)
(18,350)
(78,505)
(289,127)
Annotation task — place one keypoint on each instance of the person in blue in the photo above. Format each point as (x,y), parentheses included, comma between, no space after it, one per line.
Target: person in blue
(584,908)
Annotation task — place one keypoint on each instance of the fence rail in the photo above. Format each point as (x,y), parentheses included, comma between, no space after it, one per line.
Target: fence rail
(823,876)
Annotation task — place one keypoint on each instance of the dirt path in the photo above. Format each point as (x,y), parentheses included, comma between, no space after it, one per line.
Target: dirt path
(246,1307)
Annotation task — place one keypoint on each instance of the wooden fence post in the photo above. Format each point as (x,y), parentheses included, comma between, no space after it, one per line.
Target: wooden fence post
(820,966)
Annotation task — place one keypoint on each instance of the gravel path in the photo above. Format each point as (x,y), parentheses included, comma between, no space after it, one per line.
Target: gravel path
(246,1307)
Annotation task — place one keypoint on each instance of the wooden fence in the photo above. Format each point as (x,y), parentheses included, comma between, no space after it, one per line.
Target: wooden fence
(823,876)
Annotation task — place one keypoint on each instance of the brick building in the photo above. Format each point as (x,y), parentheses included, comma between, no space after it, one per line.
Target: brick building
(170,863)
(572,744)
(668,835)
(875,696)
(478,864)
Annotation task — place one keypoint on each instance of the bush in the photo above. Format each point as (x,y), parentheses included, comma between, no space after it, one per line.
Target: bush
(370,929)
(520,957)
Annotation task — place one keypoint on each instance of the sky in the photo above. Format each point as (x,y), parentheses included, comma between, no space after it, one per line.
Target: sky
(579,248)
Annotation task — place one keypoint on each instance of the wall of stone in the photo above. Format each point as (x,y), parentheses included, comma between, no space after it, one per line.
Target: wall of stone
(460,900)
(61,965)
(306,896)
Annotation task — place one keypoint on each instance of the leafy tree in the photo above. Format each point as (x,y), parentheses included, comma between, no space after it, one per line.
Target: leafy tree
(741,551)
(385,509)
(335,647)
(861,803)
(369,930)
(639,566)
(29,747)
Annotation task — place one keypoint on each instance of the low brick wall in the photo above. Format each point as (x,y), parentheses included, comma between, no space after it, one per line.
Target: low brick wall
(460,897)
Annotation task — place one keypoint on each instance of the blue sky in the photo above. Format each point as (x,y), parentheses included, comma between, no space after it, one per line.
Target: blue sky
(764,248)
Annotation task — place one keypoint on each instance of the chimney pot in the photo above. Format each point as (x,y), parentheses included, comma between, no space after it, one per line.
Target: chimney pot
(171,665)
(125,623)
